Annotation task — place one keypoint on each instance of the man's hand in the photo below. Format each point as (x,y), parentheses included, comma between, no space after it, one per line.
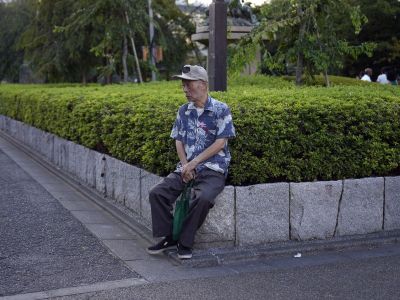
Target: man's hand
(189,171)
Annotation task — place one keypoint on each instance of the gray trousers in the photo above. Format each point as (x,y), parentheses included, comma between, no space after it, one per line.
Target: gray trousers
(208,184)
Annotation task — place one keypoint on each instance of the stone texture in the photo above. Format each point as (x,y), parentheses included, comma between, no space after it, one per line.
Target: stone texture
(81,163)
(262,213)
(220,223)
(361,208)
(47,144)
(123,183)
(2,122)
(111,174)
(70,149)
(100,172)
(60,155)
(129,186)
(313,209)
(148,180)
(25,133)
(90,174)
(392,203)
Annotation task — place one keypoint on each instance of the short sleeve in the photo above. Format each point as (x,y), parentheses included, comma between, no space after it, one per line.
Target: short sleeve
(225,128)
(177,128)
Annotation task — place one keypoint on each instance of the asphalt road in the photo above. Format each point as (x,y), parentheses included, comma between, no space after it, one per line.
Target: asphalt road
(371,278)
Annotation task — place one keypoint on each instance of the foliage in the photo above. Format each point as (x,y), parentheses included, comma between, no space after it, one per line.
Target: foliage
(383,29)
(284,133)
(303,33)
(72,41)
(14,18)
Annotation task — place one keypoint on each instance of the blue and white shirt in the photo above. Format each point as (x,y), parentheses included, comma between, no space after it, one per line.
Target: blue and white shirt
(198,130)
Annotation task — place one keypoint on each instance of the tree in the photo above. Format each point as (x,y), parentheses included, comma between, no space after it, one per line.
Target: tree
(76,40)
(173,31)
(14,19)
(305,33)
(383,29)
(108,24)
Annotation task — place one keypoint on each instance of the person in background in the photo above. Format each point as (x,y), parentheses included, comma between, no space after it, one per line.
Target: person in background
(382,78)
(367,75)
(392,77)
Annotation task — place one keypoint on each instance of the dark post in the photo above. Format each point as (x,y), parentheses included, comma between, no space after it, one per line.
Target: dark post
(217,46)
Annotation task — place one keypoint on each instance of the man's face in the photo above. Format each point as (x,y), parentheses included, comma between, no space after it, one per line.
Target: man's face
(194,89)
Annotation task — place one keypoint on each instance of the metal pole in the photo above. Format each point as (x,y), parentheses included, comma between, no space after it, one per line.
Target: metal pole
(151,30)
(217,49)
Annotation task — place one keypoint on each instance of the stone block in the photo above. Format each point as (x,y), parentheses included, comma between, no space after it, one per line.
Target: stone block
(72,157)
(313,209)
(111,173)
(46,145)
(90,174)
(361,207)
(128,187)
(2,122)
(100,161)
(123,183)
(81,167)
(219,225)
(57,149)
(148,180)
(35,139)
(392,203)
(6,124)
(24,133)
(262,213)
(13,128)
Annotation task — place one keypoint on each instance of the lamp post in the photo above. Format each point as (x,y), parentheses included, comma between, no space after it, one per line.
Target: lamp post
(217,49)
(151,31)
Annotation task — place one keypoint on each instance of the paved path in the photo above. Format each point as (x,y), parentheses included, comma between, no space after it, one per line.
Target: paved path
(55,242)
(43,246)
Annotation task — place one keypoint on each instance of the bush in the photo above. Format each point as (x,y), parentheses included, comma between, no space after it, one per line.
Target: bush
(284,133)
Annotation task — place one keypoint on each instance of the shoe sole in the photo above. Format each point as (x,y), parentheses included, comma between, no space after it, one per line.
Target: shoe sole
(154,252)
(185,256)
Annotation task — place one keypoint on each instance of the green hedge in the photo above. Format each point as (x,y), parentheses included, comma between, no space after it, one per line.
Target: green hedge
(284,133)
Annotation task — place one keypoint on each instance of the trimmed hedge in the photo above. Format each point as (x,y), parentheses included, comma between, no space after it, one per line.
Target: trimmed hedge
(284,133)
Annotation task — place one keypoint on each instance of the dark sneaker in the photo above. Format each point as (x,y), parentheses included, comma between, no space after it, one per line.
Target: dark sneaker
(184,252)
(166,243)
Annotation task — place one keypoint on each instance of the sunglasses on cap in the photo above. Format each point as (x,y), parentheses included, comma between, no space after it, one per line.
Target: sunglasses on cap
(186,69)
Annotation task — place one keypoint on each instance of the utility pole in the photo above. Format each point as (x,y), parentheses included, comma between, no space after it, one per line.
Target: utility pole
(217,47)
(151,30)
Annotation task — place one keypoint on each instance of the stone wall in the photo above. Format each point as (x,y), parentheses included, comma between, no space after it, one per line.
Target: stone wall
(243,215)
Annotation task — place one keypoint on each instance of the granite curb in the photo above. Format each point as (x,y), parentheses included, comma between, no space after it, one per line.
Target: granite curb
(231,255)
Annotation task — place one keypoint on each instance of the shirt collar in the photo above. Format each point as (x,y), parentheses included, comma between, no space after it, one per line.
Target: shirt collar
(209,105)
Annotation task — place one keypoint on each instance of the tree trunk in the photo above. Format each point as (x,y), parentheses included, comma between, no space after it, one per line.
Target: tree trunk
(124,58)
(300,55)
(299,68)
(327,83)
(134,50)
(84,80)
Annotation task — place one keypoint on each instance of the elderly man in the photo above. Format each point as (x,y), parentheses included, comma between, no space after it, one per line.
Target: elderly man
(201,132)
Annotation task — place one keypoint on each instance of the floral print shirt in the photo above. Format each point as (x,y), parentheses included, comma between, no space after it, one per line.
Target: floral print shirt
(198,132)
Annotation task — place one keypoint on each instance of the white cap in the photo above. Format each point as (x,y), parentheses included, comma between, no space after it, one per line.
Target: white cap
(190,72)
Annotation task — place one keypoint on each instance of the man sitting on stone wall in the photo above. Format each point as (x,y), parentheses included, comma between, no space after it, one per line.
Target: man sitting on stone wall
(201,132)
